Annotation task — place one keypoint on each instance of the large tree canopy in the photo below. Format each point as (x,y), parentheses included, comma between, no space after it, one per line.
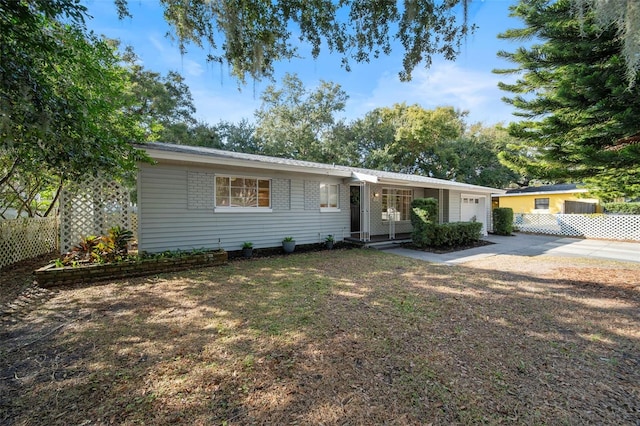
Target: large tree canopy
(60,96)
(575,101)
(251,35)
(294,122)
(62,109)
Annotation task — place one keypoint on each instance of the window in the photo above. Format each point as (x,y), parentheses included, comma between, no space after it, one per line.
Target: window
(396,204)
(328,196)
(243,192)
(541,203)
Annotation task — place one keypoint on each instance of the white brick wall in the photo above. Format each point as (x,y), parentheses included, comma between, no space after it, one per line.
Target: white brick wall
(281,190)
(200,187)
(311,195)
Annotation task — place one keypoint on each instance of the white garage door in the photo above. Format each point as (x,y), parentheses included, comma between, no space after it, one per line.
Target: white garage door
(472,209)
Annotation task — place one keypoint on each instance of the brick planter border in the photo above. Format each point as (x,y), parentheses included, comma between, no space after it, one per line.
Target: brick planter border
(50,276)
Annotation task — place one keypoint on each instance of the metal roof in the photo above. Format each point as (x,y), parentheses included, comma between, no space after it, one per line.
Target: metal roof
(563,187)
(262,160)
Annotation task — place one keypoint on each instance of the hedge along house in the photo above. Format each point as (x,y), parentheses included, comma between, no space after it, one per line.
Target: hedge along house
(197,197)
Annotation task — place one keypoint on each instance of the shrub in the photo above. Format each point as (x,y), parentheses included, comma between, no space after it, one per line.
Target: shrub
(103,249)
(622,208)
(424,214)
(503,220)
(456,234)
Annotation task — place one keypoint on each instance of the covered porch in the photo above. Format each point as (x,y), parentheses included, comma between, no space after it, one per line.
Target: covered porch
(380,204)
(380,208)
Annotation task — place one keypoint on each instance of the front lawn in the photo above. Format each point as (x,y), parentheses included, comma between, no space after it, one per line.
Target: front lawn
(333,337)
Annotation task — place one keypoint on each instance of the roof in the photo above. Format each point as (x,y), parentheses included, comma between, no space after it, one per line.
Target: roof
(197,154)
(546,189)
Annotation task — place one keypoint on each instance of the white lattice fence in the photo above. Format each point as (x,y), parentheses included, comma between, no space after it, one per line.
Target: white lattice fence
(24,238)
(610,227)
(133,225)
(91,208)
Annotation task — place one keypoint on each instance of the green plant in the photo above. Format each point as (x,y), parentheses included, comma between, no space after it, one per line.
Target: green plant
(503,220)
(455,234)
(247,245)
(622,208)
(288,240)
(329,238)
(108,248)
(84,251)
(424,214)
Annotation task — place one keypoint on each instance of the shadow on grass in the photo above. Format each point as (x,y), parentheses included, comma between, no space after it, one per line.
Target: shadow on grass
(355,337)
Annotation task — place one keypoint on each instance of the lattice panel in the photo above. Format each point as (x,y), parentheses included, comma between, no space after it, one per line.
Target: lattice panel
(91,208)
(133,223)
(610,227)
(24,238)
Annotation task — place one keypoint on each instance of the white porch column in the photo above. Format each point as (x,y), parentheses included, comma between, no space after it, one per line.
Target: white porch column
(365,212)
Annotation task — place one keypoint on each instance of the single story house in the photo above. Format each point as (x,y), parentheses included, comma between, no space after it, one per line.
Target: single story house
(548,199)
(195,197)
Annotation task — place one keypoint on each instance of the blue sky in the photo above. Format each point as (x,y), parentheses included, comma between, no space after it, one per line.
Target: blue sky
(466,84)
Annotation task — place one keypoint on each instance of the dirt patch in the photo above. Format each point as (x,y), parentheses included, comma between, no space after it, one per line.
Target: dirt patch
(334,337)
(17,278)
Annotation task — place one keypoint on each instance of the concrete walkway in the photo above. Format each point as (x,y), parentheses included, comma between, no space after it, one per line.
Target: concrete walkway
(533,245)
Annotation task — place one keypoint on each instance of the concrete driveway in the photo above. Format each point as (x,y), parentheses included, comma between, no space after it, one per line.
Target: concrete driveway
(533,245)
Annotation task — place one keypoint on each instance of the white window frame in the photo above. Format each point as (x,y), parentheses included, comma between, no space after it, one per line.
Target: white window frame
(242,209)
(326,187)
(385,193)
(537,210)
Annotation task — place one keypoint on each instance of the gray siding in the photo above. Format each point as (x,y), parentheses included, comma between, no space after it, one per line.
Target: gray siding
(454,206)
(378,226)
(176,211)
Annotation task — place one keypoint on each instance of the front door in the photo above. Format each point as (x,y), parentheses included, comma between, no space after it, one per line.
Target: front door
(354,196)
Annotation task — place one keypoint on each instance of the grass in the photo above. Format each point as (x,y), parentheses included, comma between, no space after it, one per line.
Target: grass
(334,337)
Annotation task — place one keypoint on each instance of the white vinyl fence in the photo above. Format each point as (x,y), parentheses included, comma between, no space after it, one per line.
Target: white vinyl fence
(604,226)
(24,238)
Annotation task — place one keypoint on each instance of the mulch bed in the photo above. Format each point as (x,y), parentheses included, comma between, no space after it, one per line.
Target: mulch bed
(444,250)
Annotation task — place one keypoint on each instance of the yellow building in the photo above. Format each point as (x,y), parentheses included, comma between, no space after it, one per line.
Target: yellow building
(550,199)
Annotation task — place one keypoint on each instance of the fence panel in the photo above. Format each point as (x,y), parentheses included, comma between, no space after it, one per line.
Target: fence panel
(24,238)
(610,227)
(92,207)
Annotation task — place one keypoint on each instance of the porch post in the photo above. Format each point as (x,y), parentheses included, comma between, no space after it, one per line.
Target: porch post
(440,206)
(365,207)
(391,212)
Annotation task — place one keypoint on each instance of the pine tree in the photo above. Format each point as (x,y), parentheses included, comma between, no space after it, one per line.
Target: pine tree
(575,101)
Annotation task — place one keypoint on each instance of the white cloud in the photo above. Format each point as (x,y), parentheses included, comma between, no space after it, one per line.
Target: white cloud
(215,105)
(444,84)
(173,59)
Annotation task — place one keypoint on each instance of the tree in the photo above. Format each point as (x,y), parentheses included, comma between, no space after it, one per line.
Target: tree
(295,123)
(575,99)
(409,139)
(624,15)
(251,35)
(61,97)
(478,163)
(163,105)
(239,137)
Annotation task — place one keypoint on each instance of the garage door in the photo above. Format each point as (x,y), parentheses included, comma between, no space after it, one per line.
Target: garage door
(472,209)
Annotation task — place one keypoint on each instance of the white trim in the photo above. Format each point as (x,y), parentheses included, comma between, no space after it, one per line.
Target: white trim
(362,177)
(242,210)
(329,210)
(521,194)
